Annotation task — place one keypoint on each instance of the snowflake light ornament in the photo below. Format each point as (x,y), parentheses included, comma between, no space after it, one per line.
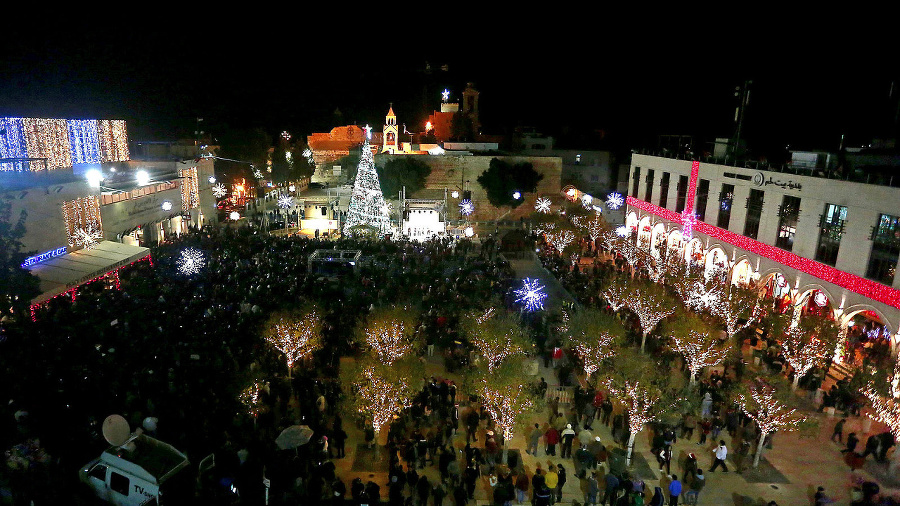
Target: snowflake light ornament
(466,207)
(219,190)
(531,295)
(285,201)
(191,261)
(614,200)
(542,205)
(623,231)
(88,237)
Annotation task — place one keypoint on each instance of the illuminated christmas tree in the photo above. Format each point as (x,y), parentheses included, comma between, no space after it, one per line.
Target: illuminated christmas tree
(367,204)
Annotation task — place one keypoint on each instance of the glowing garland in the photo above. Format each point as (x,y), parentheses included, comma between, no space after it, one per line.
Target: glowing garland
(650,310)
(531,295)
(190,188)
(61,142)
(559,239)
(83,224)
(191,261)
(616,296)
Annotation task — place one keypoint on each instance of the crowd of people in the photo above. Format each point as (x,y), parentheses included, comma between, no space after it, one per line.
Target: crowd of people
(179,348)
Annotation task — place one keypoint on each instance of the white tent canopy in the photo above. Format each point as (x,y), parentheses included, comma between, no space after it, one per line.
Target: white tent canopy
(57,275)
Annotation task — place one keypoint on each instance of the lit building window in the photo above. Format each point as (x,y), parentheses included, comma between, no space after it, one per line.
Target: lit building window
(885,249)
(831,228)
(787,222)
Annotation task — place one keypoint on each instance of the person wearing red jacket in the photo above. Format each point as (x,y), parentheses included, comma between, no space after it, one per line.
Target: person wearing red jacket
(552,438)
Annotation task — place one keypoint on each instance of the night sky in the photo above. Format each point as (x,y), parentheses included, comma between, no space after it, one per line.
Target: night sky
(161,81)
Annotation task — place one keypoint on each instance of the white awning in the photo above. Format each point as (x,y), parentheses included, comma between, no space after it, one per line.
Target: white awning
(60,274)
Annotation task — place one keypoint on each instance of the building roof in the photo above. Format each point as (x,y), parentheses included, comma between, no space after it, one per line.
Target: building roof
(60,274)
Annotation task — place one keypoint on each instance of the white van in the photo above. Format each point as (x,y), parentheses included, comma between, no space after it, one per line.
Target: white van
(134,474)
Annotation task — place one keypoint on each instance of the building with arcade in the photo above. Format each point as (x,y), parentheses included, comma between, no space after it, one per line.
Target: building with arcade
(89,208)
(812,241)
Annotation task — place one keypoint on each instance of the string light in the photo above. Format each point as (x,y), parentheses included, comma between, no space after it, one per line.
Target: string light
(388,337)
(190,189)
(367,201)
(542,205)
(531,295)
(296,337)
(616,295)
(191,261)
(856,284)
(650,307)
(699,351)
(250,397)
(495,337)
(61,142)
(769,414)
(507,403)
(381,398)
(802,352)
(83,224)
(559,239)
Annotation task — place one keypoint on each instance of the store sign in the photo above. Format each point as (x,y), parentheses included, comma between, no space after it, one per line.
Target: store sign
(47,255)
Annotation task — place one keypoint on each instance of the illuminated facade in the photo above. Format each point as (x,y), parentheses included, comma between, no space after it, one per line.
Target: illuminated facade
(29,144)
(819,244)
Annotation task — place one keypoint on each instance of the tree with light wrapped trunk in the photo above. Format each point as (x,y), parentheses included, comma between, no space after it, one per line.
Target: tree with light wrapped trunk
(650,303)
(636,384)
(496,335)
(700,350)
(738,308)
(594,335)
(505,395)
(295,334)
(808,344)
(389,332)
(616,294)
(378,390)
(761,404)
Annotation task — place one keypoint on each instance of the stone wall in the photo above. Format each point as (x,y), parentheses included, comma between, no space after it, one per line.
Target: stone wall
(451,172)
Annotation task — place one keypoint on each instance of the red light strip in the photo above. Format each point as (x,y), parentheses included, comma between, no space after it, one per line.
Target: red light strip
(852,282)
(72,291)
(692,187)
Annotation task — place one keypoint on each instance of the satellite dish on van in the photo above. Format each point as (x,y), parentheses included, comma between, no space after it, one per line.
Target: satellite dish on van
(116,430)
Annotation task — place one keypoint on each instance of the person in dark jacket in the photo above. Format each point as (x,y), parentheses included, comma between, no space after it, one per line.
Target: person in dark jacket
(852,441)
(561,480)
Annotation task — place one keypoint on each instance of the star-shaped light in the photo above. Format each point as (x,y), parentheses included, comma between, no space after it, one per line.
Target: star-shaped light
(531,295)
(219,190)
(466,207)
(88,237)
(614,200)
(542,205)
(191,261)
(285,201)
